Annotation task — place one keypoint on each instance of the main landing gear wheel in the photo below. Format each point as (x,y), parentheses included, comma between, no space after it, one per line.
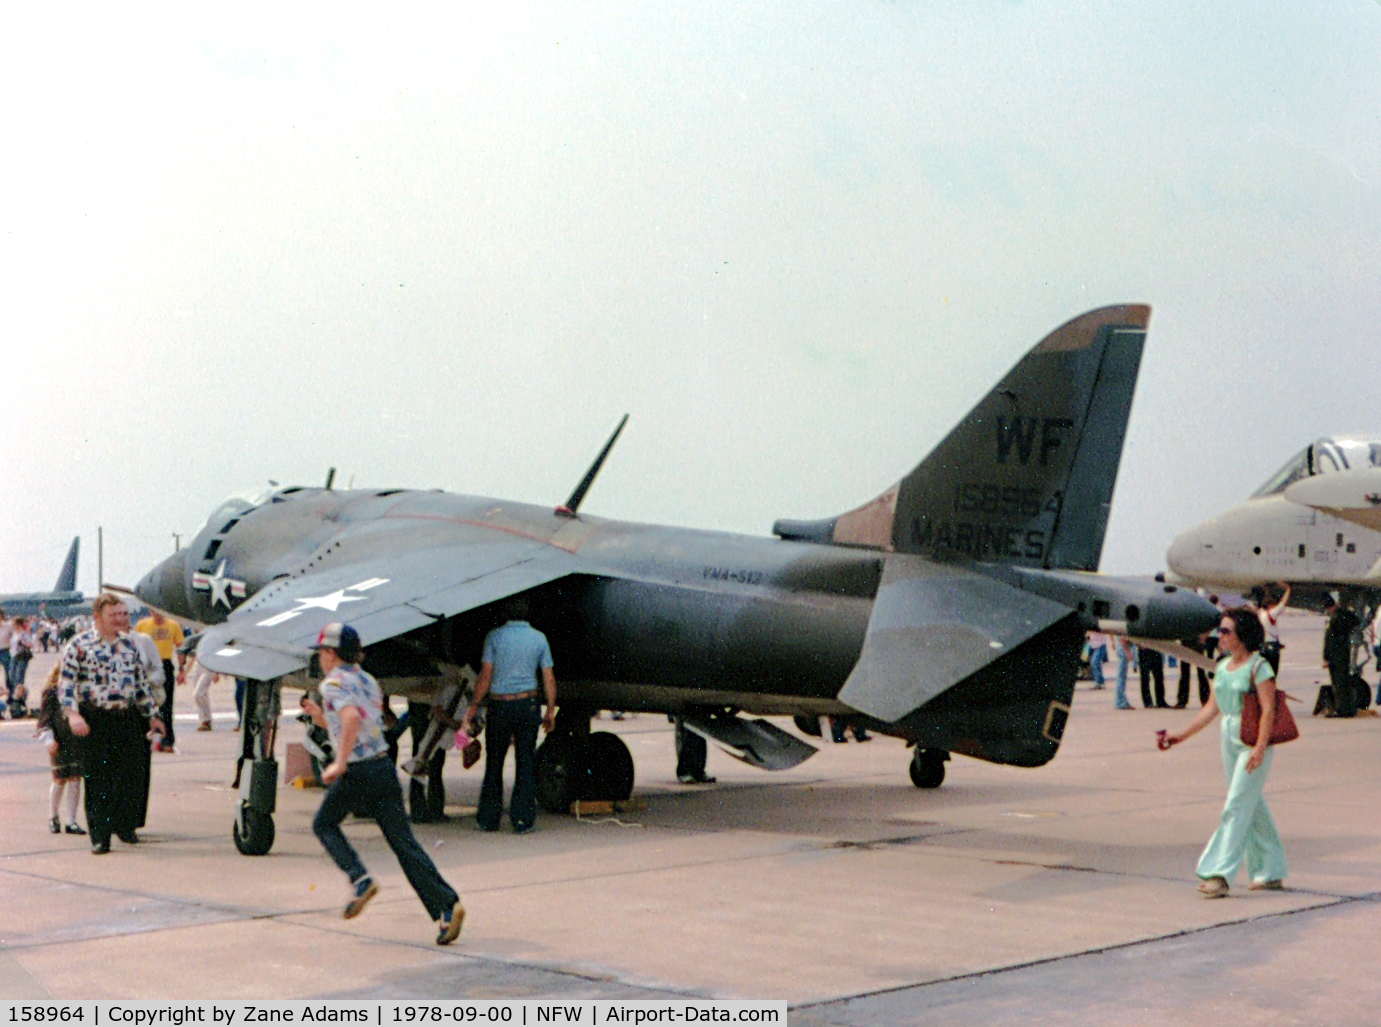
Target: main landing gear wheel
(608,768)
(928,767)
(556,775)
(256,837)
(569,767)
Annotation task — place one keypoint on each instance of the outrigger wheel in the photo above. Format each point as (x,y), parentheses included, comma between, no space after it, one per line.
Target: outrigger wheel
(928,767)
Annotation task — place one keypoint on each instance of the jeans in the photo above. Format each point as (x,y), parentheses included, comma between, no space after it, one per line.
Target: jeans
(1119,699)
(1096,655)
(369,788)
(515,721)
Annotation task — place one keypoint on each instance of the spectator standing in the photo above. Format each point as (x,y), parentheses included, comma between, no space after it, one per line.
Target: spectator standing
(1269,615)
(1097,654)
(1122,649)
(514,657)
(6,635)
(1337,657)
(167,636)
(1151,663)
(105,697)
(65,756)
(21,652)
(200,679)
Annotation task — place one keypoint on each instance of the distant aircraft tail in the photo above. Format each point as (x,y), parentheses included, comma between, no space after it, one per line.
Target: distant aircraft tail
(67,577)
(1027,477)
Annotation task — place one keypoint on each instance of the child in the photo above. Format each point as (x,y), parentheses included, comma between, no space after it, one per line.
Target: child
(52,729)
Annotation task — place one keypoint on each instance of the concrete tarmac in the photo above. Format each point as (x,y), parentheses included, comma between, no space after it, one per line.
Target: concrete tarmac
(1064,894)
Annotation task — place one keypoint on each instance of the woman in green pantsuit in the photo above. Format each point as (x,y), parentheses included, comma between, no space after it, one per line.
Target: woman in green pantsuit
(1245,829)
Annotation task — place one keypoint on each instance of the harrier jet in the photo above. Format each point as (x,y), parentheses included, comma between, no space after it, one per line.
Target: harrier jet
(949,611)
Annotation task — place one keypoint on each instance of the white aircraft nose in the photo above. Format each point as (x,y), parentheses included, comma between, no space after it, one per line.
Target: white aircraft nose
(1187,555)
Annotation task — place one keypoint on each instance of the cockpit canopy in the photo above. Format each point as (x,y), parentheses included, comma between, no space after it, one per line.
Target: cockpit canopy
(1322,457)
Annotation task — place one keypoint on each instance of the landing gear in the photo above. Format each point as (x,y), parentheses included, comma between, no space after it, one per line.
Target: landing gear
(252,831)
(255,837)
(574,763)
(928,767)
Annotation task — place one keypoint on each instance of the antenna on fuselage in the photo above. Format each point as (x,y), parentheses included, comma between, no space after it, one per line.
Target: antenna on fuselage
(330,477)
(569,508)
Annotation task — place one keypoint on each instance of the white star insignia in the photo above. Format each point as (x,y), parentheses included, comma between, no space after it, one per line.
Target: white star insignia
(331,602)
(327,602)
(220,587)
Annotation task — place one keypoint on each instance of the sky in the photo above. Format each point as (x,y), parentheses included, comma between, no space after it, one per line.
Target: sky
(795,242)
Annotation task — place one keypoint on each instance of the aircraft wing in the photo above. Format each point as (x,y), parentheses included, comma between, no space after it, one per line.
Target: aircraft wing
(380,597)
(932,626)
(1352,495)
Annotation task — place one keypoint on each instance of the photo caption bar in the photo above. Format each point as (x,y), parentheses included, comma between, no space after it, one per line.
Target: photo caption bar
(392,1013)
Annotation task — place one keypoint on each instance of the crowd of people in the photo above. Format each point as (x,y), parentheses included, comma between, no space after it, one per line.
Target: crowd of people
(20,639)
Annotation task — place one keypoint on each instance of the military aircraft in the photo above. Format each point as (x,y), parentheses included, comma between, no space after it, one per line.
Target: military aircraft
(63,601)
(949,611)
(1315,524)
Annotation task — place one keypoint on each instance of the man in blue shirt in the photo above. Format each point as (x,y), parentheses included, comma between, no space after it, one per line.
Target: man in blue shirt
(515,655)
(363,781)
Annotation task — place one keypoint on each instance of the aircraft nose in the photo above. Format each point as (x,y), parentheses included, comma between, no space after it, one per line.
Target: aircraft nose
(164,586)
(1185,555)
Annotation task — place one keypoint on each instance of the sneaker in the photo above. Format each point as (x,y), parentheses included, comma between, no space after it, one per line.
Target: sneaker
(205,725)
(525,829)
(100,848)
(696,779)
(450,924)
(74,829)
(54,827)
(365,889)
(1266,886)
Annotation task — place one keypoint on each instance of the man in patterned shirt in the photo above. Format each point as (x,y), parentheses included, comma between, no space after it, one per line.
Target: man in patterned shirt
(364,781)
(105,695)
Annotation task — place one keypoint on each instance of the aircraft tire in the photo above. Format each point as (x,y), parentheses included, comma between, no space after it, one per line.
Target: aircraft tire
(609,767)
(257,838)
(1362,691)
(556,774)
(927,768)
(807,725)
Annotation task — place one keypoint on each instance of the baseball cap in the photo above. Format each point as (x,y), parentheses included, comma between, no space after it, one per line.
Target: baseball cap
(338,636)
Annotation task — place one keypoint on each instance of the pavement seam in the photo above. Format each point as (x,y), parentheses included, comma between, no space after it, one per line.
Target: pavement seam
(1189,932)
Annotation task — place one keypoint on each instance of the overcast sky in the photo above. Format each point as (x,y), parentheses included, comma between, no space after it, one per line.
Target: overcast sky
(795,241)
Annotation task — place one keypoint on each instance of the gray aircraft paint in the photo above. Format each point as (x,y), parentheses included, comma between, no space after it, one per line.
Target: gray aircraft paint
(953,651)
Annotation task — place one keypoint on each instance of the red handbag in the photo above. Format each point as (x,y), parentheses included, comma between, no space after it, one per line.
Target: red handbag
(1283,727)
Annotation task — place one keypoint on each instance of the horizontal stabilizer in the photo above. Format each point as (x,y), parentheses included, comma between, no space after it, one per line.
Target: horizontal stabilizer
(758,743)
(931,627)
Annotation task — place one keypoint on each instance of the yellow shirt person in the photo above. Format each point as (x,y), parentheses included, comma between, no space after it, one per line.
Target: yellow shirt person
(166,634)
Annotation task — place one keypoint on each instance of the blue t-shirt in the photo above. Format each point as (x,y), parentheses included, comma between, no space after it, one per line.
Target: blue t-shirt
(350,686)
(517,651)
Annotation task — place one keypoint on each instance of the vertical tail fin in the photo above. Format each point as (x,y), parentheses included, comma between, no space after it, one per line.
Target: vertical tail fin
(1027,477)
(67,577)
